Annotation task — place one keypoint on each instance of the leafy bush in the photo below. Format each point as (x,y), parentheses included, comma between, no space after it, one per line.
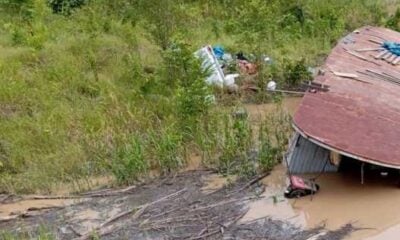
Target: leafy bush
(191,91)
(65,6)
(295,73)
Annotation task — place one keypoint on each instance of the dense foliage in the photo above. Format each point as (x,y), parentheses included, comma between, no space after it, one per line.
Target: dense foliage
(100,87)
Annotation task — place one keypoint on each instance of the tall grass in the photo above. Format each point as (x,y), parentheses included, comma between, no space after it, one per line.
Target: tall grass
(111,87)
(42,233)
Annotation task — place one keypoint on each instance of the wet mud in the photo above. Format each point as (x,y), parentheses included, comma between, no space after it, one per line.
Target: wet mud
(25,205)
(168,208)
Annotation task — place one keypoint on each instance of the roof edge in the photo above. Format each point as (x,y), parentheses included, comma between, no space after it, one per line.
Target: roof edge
(315,141)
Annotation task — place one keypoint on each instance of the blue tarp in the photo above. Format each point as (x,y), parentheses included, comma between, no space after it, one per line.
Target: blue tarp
(218,51)
(392,47)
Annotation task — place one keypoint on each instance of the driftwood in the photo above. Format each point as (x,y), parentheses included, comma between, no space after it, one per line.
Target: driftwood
(104,230)
(184,214)
(31,209)
(223,203)
(227,225)
(93,194)
(250,183)
(48,197)
(108,192)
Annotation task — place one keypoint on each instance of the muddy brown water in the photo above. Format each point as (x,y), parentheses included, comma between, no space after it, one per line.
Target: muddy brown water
(341,200)
(258,112)
(24,205)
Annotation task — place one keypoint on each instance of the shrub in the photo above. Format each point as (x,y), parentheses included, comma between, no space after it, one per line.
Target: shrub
(296,72)
(129,162)
(65,6)
(186,77)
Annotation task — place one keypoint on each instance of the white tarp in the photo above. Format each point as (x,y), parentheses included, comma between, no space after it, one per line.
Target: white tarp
(210,62)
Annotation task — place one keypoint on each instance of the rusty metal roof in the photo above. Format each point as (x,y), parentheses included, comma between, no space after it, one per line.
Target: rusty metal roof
(358,117)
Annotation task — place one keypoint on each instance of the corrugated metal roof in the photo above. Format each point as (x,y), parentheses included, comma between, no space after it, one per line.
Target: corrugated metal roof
(307,157)
(358,118)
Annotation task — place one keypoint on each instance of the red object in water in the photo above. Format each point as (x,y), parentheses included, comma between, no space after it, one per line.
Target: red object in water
(359,119)
(300,187)
(298,182)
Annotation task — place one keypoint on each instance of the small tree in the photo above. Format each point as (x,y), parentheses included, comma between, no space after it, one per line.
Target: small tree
(162,19)
(187,79)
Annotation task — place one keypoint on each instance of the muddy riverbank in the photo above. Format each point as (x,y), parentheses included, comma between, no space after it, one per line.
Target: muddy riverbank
(341,200)
(191,205)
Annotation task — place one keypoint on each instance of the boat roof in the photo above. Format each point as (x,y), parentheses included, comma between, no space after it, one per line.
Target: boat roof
(359,114)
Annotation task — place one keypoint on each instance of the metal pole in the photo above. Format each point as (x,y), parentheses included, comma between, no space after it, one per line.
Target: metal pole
(362,173)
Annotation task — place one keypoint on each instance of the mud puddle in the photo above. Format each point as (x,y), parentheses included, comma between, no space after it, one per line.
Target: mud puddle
(215,182)
(341,200)
(82,185)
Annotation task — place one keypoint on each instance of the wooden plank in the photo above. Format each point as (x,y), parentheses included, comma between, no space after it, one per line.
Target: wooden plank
(375,41)
(350,76)
(388,57)
(287,91)
(369,49)
(357,55)
(385,55)
(381,54)
(396,61)
(394,56)
(345,75)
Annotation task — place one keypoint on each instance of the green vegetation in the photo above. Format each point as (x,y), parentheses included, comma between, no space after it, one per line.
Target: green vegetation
(42,233)
(91,88)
